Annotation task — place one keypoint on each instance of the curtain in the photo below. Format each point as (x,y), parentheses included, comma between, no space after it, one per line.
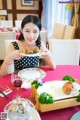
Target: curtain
(47,15)
(64,16)
(75,20)
(53,11)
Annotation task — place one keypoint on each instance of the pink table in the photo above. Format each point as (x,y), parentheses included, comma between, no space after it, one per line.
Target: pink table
(63,114)
(8,30)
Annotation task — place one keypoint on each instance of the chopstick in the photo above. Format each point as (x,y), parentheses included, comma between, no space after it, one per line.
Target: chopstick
(6,87)
(3,94)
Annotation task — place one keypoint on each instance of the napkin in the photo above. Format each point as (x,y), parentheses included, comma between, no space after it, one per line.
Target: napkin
(26,84)
(6,92)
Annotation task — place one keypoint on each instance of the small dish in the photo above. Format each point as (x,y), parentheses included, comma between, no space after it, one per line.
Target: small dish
(31,73)
(76,116)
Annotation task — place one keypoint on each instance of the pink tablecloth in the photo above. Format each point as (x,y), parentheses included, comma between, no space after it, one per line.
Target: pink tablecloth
(17,35)
(63,114)
(7,30)
(62,70)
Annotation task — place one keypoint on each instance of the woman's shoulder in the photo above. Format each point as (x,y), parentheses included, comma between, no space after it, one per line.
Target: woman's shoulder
(16,42)
(13,44)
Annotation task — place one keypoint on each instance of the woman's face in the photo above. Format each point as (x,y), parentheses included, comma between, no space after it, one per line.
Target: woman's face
(30,33)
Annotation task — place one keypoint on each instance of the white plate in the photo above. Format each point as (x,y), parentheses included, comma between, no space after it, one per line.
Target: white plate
(40,53)
(76,116)
(30,74)
(55,89)
(33,114)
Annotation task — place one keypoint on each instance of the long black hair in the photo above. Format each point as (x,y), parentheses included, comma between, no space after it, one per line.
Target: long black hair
(35,20)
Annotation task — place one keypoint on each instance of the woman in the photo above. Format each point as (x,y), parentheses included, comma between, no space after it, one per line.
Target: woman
(29,38)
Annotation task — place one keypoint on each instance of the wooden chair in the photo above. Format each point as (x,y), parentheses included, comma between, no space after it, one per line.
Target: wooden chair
(58,31)
(69,32)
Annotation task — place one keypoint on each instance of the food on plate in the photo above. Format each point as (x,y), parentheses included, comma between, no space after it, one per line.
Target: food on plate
(67,88)
(13,107)
(76,80)
(35,49)
(31,50)
(36,83)
(46,98)
(18,106)
(78,97)
(69,78)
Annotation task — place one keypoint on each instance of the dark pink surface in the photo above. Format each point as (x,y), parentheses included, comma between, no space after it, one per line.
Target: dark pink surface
(17,35)
(60,71)
(63,114)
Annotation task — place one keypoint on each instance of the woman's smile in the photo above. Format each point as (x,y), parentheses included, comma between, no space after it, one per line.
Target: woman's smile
(30,40)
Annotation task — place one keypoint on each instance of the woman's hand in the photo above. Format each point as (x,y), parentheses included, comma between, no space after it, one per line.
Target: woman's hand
(46,53)
(17,54)
(47,56)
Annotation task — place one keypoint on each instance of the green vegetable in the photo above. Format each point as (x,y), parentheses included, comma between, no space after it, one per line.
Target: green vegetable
(69,78)
(78,98)
(36,84)
(45,98)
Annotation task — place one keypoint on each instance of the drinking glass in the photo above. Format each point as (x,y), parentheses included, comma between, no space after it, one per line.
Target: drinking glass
(16,81)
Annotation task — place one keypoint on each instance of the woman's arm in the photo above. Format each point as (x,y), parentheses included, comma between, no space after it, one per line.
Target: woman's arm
(11,55)
(48,56)
(6,66)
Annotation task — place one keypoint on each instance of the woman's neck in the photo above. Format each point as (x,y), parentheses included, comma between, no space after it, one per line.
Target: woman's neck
(25,44)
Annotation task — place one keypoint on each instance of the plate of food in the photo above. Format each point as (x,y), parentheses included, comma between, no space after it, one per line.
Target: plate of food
(57,94)
(32,52)
(60,89)
(21,108)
